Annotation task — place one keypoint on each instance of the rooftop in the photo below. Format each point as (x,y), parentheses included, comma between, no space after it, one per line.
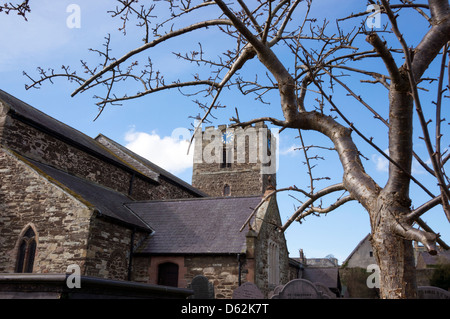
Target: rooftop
(198,226)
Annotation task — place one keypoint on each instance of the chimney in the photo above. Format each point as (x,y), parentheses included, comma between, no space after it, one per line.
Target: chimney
(302,257)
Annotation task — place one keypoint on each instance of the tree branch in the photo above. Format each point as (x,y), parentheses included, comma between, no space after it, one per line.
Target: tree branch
(310,201)
(440,12)
(385,54)
(152,44)
(426,238)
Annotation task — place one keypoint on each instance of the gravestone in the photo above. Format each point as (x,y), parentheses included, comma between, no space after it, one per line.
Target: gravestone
(202,288)
(247,290)
(298,289)
(429,292)
(276,291)
(325,291)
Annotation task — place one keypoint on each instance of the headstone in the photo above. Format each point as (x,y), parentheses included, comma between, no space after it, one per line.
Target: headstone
(247,290)
(429,292)
(202,288)
(325,291)
(298,289)
(276,291)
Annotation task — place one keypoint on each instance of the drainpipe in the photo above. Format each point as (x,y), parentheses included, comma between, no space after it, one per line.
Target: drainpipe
(240,268)
(130,263)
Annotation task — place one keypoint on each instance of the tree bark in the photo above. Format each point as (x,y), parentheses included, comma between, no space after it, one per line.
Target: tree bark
(394,254)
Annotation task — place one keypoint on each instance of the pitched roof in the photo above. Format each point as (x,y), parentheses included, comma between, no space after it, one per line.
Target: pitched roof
(45,123)
(145,165)
(327,276)
(356,248)
(51,125)
(197,226)
(443,256)
(108,202)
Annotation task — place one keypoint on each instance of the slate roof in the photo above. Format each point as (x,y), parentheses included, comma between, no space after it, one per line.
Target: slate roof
(327,276)
(54,127)
(108,202)
(196,226)
(443,256)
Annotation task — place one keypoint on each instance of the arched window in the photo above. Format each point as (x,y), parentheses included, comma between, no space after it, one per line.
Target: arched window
(168,274)
(226,190)
(27,252)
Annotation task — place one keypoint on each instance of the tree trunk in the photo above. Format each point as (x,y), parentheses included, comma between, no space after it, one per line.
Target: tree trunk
(394,255)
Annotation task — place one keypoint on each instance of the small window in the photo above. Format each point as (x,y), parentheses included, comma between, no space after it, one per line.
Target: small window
(371,253)
(27,252)
(168,274)
(226,190)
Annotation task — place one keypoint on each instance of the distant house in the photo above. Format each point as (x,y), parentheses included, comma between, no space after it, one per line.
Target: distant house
(362,256)
(425,260)
(322,271)
(67,199)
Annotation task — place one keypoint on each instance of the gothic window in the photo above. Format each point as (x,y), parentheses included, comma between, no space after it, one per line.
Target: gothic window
(168,274)
(226,190)
(27,252)
(273,264)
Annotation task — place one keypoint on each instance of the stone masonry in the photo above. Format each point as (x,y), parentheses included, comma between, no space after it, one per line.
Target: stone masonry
(232,158)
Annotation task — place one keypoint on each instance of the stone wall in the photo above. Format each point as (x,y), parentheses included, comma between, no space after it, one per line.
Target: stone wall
(108,252)
(264,225)
(68,232)
(59,220)
(222,271)
(363,256)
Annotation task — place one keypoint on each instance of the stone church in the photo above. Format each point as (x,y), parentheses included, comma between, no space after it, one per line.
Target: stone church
(68,199)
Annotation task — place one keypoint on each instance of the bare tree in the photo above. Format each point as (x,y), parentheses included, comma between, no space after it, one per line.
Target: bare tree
(21,9)
(307,82)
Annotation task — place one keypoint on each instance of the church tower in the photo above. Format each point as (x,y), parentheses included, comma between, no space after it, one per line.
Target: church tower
(235,161)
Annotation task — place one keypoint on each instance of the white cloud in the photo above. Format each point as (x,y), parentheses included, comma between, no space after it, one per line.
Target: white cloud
(381,162)
(168,152)
(290,151)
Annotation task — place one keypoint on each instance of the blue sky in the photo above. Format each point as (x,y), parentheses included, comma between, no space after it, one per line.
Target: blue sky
(146,125)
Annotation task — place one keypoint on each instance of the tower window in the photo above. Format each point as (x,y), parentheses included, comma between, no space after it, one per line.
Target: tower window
(27,252)
(226,161)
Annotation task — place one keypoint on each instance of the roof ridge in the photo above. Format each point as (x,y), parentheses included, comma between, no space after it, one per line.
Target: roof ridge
(150,165)
(193,199)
